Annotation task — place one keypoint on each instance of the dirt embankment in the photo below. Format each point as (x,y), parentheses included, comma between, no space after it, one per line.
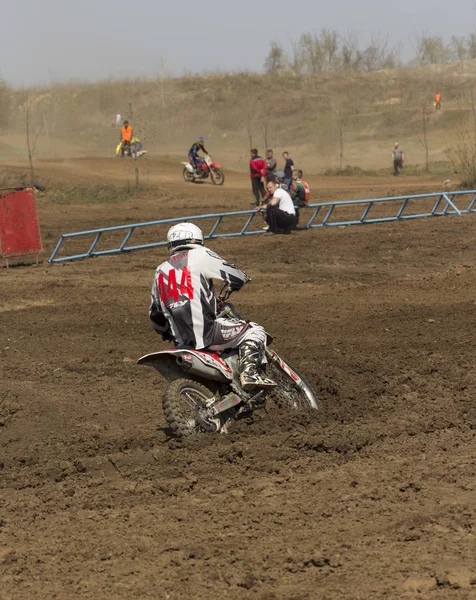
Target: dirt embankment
(325,121)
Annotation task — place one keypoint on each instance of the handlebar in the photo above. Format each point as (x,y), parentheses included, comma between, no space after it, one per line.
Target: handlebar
(224,294)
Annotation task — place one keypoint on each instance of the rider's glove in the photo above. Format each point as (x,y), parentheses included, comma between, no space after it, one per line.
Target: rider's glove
(167,337)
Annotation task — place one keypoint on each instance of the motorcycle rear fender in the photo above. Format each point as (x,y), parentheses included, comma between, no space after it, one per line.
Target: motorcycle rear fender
(172,364)
(188,166)
(273,357)
(298,381)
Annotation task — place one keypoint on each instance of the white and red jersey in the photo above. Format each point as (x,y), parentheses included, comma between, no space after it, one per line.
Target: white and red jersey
(184,294)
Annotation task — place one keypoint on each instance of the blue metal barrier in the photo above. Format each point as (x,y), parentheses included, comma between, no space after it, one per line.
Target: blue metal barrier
(323,215)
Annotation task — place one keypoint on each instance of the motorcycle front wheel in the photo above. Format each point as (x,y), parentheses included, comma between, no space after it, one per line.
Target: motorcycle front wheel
(218,178)
(289,393)
(187,175)
(182,400)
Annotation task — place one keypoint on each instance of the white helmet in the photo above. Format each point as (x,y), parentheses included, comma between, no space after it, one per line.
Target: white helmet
(184,235)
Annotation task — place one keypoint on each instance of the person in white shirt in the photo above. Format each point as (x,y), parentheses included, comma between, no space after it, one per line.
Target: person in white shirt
(280,212)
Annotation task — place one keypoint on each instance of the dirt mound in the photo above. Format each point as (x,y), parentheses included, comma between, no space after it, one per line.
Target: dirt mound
(375,498)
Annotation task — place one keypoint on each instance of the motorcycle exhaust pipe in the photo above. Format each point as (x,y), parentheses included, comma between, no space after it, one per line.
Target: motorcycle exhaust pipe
(186,365)
(194,366)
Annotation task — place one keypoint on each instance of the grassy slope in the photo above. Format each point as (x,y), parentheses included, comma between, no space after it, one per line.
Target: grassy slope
(315,118)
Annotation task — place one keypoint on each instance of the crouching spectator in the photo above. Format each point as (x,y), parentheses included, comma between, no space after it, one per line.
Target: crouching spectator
(278,177)
(280,211)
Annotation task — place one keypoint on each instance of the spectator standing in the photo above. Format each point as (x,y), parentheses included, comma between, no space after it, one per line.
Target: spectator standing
(398,156)
(437,100)
(258,175)
(117,119)
(288,169)
(280,212)
(305,185)
(298,192)
(271,164)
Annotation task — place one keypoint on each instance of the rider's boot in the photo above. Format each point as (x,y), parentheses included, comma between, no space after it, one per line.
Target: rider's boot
(251,375)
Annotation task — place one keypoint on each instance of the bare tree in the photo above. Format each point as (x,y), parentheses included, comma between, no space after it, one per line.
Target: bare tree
(33,130)
(431,50)
(471,45)
(5,103)
(264,118)
(162,78)
(312,52)
(341,119)
(379,55)
(297,61)
(249,128)
(274,62)
(330,46)
(351,56)
(136,169)
(250,109)
(459,47)
(424,129)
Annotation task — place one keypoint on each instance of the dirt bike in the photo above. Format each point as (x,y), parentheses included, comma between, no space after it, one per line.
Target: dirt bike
(132,149)
(203,170)
(204,392)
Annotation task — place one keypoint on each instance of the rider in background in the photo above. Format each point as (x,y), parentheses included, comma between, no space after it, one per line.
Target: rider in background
(126,137)
(195,160)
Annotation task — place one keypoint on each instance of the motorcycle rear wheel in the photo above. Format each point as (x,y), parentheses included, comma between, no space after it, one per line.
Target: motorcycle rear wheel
(182,399)
(187,175)
(217,176)
(287,394)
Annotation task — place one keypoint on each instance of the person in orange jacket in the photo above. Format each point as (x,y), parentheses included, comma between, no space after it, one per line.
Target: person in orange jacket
(437,100)
(126,138)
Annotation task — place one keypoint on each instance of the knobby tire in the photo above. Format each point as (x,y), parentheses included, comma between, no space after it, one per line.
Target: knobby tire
(179,402)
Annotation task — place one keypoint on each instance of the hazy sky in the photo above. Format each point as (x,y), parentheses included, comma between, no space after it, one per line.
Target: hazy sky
(43,40)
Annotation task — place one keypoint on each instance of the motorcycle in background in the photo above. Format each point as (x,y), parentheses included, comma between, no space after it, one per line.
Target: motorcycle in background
(204,169)
(133,149)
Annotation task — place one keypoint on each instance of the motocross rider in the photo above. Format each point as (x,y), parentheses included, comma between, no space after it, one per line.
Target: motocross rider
(126,137)
(195,160)
(183,305)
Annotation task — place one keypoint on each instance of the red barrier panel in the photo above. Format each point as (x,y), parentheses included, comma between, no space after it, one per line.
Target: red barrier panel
(19,226)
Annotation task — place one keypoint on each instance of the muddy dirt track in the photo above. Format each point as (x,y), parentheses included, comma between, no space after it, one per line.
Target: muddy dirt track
(374,499)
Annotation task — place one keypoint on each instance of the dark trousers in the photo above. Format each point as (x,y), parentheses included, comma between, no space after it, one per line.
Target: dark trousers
(279,221)
(258,189)
(125,148)
(397,165)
